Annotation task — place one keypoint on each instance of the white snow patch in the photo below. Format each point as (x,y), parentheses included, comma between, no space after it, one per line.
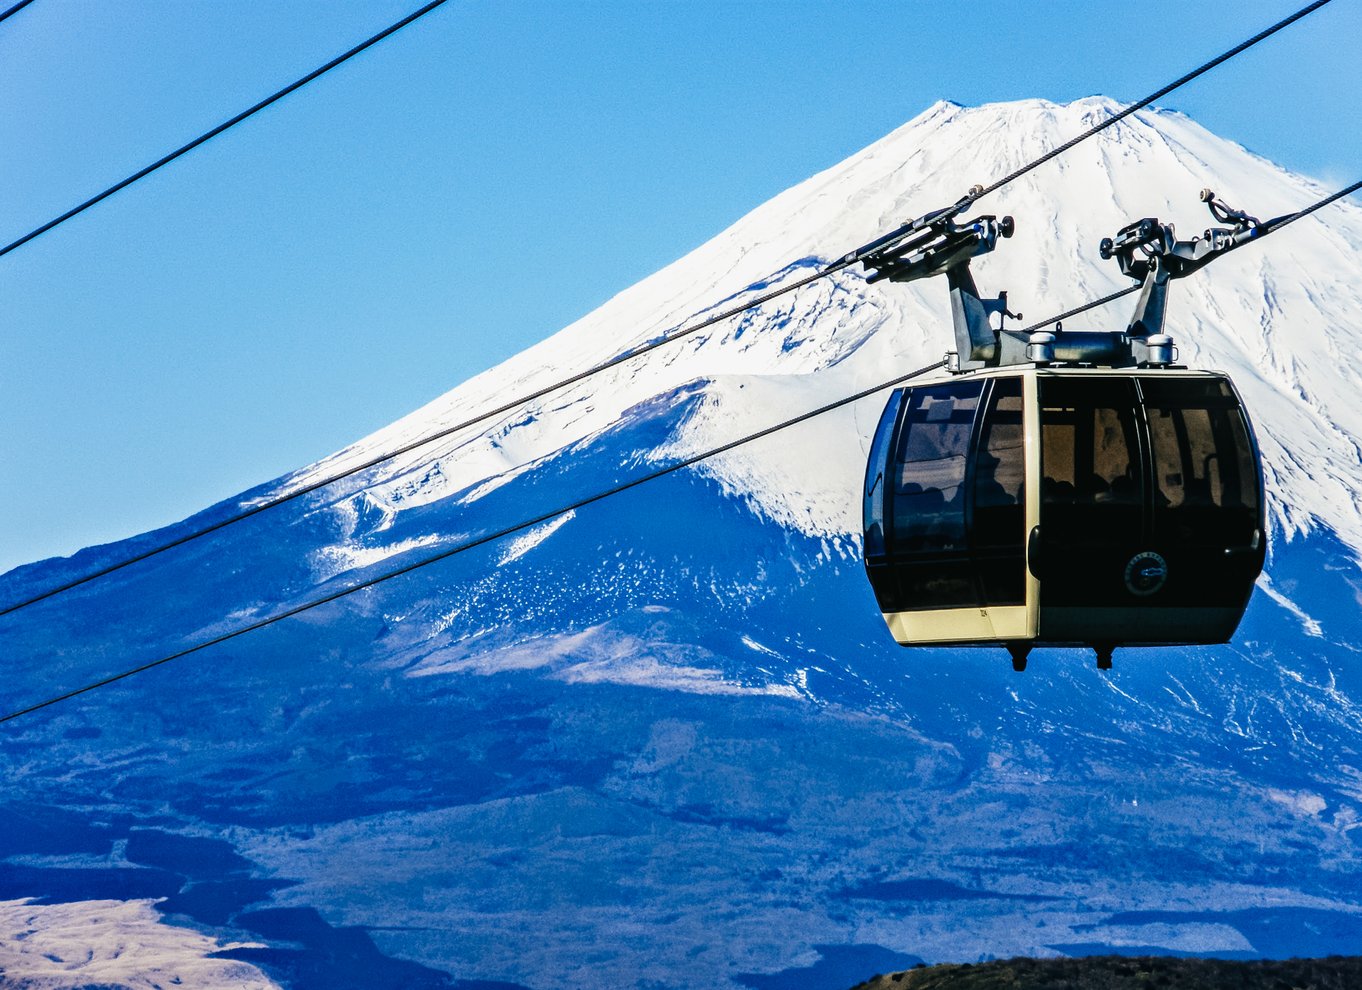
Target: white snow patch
(645,671)
(752,644)
(1310,625)
(526,542)
(1301,802)
(1112,685)
(327,562)
(602,655)
(114,943)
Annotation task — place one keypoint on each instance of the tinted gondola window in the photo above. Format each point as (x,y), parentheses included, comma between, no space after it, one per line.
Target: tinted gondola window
(933,453)
(928,539)
(1205,476)
(877,471)
(999,521)
(1089,445)
(1000,468)
(1092,488)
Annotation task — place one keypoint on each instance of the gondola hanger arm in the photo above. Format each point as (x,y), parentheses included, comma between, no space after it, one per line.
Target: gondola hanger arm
(1150,252)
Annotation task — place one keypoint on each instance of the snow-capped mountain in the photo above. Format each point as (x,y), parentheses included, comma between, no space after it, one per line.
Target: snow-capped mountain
(1275,318)
(665,740)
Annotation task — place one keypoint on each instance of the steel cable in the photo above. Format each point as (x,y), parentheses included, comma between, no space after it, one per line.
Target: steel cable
(225,125)
(1270,227)
(351,589)
(583,375)
(420,442)
(7,14)
(468,545)
(1157,94)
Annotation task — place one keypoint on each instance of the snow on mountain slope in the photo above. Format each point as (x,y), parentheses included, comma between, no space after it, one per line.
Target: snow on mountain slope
(1279,316)
(665,740)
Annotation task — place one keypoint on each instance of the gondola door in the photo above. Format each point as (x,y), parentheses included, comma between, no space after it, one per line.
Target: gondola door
(946,514)
(1207,524)
(1151,512)
(1093,510)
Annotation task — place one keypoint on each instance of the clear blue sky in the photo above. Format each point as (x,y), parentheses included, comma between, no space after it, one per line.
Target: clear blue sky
(465,188)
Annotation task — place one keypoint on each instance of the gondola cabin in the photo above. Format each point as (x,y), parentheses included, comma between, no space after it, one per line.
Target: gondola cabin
(1062,489)
(1026,506)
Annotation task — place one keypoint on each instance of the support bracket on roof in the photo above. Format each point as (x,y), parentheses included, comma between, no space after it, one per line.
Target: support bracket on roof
(1150,252)
(934,244)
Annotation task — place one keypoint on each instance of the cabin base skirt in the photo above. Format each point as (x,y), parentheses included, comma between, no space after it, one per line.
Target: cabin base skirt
(1088,626)
(1138,625)
(996,624)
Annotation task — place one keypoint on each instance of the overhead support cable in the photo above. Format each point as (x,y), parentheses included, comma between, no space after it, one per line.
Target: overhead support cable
(1157,94)
(331,479)
(469,544)
(1094,304)
(906,230)
(225,125)
(1273,226)
(6,15)
(1270,227)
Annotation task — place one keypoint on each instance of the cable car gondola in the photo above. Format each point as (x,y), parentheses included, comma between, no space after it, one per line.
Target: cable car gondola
(1067,489)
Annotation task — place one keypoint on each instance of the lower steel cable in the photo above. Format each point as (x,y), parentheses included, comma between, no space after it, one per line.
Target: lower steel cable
(469,544)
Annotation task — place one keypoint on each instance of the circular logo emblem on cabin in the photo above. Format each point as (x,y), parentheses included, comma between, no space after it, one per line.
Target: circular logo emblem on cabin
(1146,573)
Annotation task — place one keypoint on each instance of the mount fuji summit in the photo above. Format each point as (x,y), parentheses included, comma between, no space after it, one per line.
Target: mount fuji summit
(665,740)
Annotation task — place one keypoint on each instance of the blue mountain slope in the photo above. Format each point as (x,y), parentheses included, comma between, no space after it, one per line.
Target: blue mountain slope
(665,741)
(579,772)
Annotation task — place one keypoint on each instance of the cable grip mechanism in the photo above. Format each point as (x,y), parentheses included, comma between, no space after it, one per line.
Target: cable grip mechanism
(935,244)
(1150,252)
